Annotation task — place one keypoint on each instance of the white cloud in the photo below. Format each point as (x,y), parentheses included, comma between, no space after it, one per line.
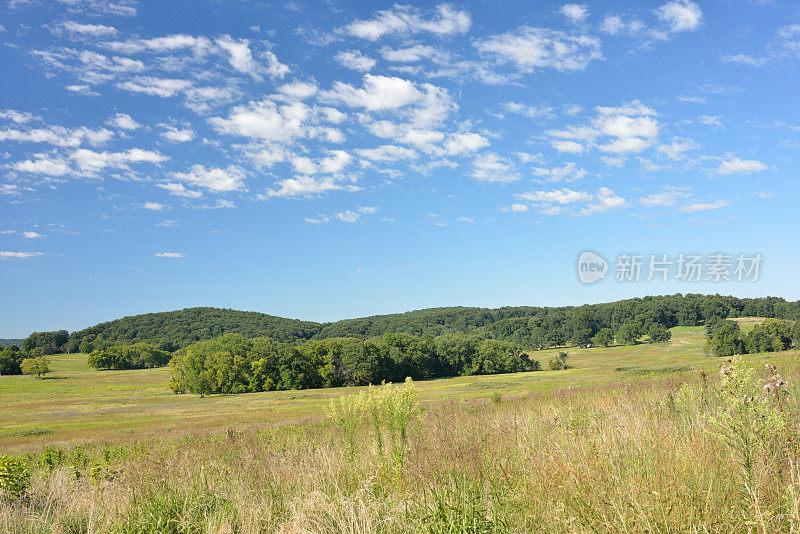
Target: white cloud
(177,135)
(616,25)
(676,148)
(631,127)
(711,120)
(82,89)
(466,219)
(19,117)
(568,171)
(90,162)
(215,179)
(154,206)
(268,121)
(387,153)
(704,206)
(493,168)
(557,196)
(179,190)
(43,165)
(669,196)
(170,255)
(744,59)
(355,60)
(163,87)
(529,48)
(31,235)
(378,93)
(6,255)
(570,147)
(123,121)
(681,15)
(410,54)
(58,135)
(321,219)
(575,12)
(94,30)
(741,166)
(516,208)
(348,216)
(463,143)
(534,112)
(239,55)
(605,200)
(297,90)
(406,20)
(303,186)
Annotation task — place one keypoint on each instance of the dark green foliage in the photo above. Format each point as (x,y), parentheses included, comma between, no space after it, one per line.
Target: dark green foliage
(628,334)
(10,360)
(48,342)
(604,338)
(727,339)
(528,326)
(658,333)
(234,364)
(171,330)
(136,356)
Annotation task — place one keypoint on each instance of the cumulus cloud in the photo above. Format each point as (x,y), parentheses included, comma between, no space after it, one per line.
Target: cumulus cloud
(215,179)
(90,162)
(407,20)
(680,16)
(575,12)
(387,153)
(618,25)
(304,186)
(667,197)
(58,135)
(179,190)
(123,121)
(31,235)
(176,135)
(154,206)
(529,48)
(628,128)
(355,60)
(493,168)
(741,166)
(170,255)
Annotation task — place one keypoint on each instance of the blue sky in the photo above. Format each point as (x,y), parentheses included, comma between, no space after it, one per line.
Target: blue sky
(338,159)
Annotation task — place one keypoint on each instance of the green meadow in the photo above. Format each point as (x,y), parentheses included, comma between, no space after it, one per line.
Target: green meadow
(76,403)
(645,438)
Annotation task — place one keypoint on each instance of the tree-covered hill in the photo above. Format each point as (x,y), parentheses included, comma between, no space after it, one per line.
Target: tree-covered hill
(529,326)
(175,329)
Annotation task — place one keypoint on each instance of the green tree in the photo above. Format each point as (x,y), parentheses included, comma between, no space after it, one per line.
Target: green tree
(628,334)
(728,340)
(658,333)
(604,338)
(35,366)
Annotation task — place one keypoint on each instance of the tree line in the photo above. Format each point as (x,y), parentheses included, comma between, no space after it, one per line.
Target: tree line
(235,364)
(529,326)
(725,338)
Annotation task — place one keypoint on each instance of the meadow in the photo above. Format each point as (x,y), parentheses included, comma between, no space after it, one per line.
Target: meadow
(628,439)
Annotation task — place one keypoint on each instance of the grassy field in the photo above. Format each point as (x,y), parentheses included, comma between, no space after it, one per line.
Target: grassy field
(76,403)
(630,439)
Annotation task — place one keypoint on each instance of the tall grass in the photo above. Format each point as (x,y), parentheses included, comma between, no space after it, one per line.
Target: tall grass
(718,454)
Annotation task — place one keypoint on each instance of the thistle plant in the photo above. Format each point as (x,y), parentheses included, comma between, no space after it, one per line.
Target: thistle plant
(747,422)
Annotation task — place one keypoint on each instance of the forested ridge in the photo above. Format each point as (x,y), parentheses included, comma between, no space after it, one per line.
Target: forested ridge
(529,326)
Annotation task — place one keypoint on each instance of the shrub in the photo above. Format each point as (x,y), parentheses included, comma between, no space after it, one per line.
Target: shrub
(14,477)
(35,366)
